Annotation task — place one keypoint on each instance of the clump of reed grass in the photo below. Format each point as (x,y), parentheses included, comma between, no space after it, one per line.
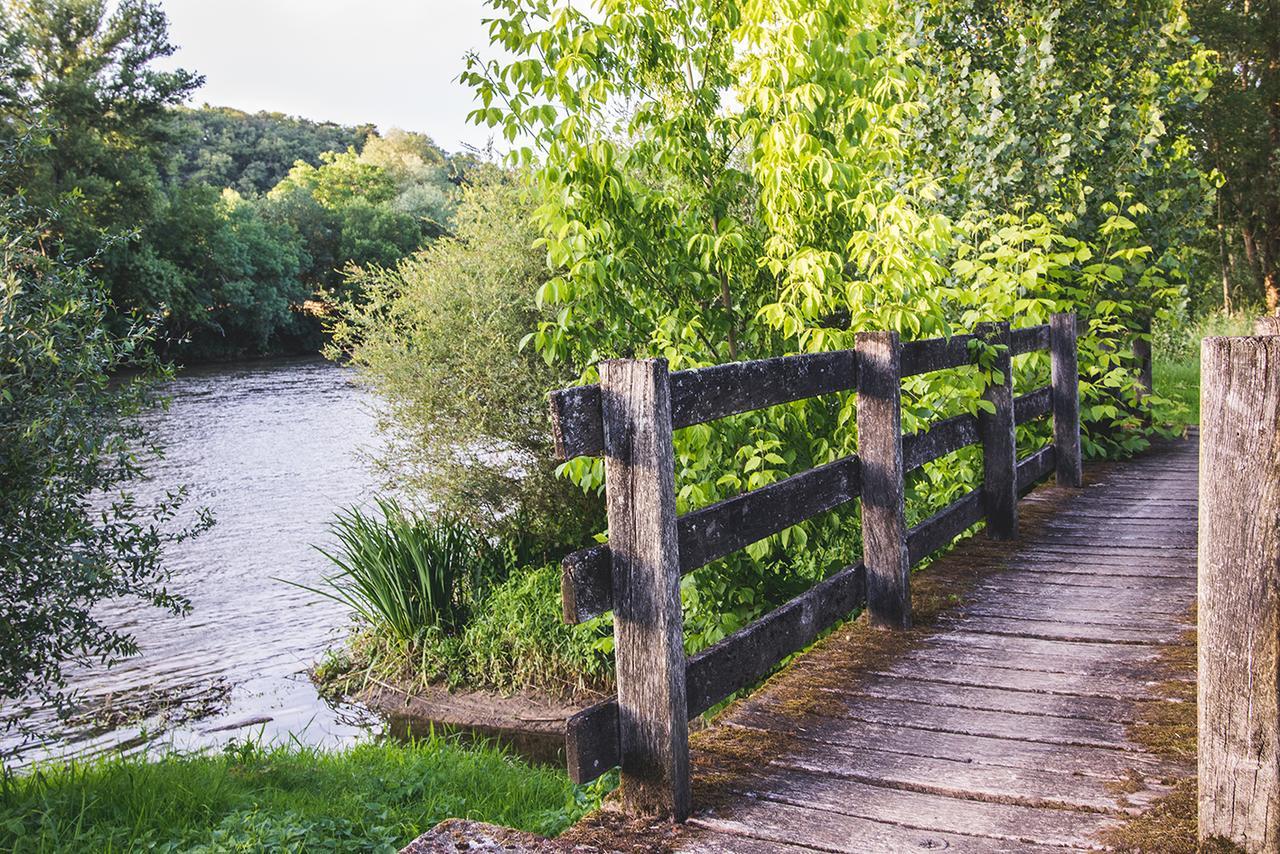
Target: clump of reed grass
(405,573)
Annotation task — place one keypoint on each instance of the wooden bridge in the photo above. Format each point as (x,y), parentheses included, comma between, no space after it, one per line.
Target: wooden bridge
(1011,697)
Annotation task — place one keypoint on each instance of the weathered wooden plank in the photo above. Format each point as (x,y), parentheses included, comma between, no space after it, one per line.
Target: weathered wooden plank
(716,530)
(591,741)
(732,524)
(943,438)
(884,527)
(992,699)
(955,778)
(903,713)
(1032,405)
(1065,382)
(1028,339)
(1012,646)
(1239,592)
(1058,676)
(944,526)
(1053,630)
(706,394)
(925,811)
(736,662)
(749,654)
(752,825)
(993,751)
(1035,467)
(648,624)
(935,354)
(999,445)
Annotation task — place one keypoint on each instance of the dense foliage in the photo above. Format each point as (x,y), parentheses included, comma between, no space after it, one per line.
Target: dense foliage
(249,152)
(438,338)
(71,443)
(235,273)
(724,180)
(1239,137)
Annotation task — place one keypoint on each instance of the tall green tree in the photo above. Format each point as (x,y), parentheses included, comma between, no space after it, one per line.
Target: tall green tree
(71,444)
(1241,140)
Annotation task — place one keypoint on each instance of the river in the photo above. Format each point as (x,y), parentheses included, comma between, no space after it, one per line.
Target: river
(272,449)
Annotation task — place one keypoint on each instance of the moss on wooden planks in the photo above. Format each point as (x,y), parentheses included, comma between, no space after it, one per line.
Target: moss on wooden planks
(1166,726)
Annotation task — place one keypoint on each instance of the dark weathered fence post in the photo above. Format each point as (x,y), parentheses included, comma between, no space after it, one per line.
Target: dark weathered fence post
(1239,592)
(639,463)
(999,446)
(1065,372)
(884,525)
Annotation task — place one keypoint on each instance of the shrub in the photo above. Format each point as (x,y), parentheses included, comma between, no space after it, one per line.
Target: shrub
(438,338)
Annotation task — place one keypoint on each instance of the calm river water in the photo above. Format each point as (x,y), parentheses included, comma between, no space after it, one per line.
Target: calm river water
(272,449)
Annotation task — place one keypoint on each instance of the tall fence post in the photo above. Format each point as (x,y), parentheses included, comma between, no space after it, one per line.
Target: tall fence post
(884,525)
(639,463)
(1239,592)
(1267,325)
(999,445)
(1065,382)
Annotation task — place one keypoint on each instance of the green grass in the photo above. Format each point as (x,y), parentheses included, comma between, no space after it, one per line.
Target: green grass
(375,796)
(1177,360)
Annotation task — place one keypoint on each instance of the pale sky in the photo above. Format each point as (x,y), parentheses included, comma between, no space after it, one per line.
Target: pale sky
(394,63)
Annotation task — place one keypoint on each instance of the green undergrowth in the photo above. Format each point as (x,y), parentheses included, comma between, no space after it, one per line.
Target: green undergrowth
(375,796)
(516,641)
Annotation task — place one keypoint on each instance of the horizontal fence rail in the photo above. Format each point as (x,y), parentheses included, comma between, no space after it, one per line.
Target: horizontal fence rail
(629,418)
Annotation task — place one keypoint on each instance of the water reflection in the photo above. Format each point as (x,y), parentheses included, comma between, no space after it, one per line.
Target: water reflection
(272,448)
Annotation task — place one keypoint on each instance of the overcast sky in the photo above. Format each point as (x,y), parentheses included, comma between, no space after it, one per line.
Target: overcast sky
(394,63)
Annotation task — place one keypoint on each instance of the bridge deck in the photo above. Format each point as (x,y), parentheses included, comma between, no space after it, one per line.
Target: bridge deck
(1004,722)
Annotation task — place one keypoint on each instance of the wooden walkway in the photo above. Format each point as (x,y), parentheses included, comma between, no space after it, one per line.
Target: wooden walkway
(1004,726)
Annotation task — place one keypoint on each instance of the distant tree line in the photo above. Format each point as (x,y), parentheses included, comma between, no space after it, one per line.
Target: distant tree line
(239,225)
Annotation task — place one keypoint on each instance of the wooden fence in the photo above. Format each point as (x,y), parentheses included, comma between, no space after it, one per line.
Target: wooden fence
(629,418)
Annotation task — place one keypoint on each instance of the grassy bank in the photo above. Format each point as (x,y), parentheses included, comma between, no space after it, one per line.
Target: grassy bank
(370,797)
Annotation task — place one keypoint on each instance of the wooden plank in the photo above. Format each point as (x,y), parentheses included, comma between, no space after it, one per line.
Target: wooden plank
(1032,405)
(920,716)
(751,653)
(1065,382)
(717,530)
(750,825)
(926,811)
(1035,467)
(591,741)
(980,750)
(736,662)
(905,686)
(999,445)
(1054,630)
(954,778)
(943,438)
(648,627)
(944,526)
(1060,676)
(1029,339)
(706,394)
(1239,592)
(935,354)
(884,527)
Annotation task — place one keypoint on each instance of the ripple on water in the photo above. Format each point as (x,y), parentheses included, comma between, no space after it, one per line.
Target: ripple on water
(272,448)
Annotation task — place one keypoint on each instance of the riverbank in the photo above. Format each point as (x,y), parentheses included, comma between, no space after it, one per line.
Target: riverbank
(374,796)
